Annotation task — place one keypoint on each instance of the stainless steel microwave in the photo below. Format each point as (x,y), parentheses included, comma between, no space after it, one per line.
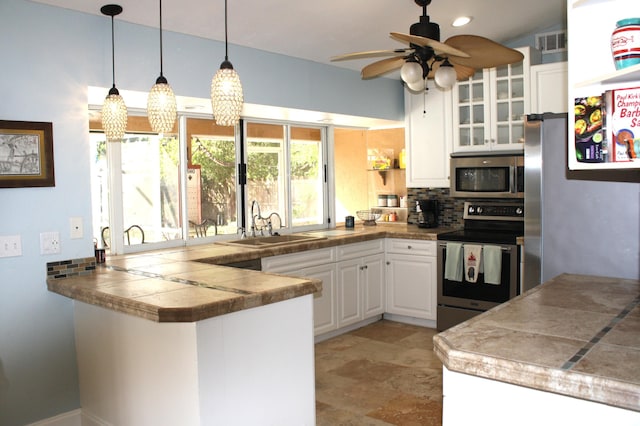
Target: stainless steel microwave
(487,176)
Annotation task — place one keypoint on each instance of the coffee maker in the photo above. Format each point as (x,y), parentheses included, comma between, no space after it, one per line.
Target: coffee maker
(427,213)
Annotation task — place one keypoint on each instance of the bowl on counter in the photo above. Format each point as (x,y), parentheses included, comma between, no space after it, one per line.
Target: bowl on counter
(369,217)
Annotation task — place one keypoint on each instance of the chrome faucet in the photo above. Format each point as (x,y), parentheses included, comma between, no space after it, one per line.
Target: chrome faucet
(270,224)
(254,204)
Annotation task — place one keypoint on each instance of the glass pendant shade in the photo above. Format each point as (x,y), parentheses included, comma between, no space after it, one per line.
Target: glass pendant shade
(445,75)
(226,96)
(418,86)
(114,116)
(411,72)
(161,107)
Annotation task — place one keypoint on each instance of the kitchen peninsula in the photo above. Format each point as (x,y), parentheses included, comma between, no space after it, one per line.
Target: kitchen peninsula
(174,336)
(566,352)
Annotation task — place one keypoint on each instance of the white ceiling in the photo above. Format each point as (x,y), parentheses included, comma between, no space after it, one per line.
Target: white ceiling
(317,30)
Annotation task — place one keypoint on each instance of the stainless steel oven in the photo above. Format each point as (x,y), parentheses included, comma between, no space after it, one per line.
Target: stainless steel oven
(487,176)
(485,224)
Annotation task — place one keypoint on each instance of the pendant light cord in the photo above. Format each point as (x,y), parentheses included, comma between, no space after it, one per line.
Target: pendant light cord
(113,55)
(226,47)
(161,38)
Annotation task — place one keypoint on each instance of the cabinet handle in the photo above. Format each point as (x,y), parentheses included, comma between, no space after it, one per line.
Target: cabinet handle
(409,247)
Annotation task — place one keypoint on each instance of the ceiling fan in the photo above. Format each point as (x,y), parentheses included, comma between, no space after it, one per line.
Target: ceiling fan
(426,57)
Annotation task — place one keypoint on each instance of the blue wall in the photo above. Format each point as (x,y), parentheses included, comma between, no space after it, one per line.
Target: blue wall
(49,57)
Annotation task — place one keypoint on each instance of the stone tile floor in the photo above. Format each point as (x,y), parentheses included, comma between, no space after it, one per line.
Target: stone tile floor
(383,374)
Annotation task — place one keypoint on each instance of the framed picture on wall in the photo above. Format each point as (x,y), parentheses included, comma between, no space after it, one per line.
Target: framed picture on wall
(26,154)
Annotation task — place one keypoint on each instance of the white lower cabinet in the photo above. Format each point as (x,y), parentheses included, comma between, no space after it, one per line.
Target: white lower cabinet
(352,281)
(319,264)
(360,289)
(411,277)
(362,280)
(324,305)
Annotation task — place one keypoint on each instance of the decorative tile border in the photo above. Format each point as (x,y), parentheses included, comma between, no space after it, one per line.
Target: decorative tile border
(596,339)
(69,268)
(178,280)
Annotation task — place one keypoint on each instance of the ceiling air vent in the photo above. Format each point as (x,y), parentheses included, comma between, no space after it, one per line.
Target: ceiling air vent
(552,42)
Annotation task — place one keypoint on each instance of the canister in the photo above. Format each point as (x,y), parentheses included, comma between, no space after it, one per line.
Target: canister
(382,200)
(625,43)
(402,159)
(392,201)
(349,222)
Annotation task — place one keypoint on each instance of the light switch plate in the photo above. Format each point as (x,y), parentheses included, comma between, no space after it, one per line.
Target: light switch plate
(49,242)
(10,246)
(76,231)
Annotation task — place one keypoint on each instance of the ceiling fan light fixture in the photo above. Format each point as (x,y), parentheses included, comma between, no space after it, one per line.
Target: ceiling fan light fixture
(161,102)
(226,90)
(114,110)
(461,21)
(418,86)
(445,76)
(411,72)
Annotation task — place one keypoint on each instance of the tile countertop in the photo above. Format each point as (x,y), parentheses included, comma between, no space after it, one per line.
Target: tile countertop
(189,284)
(574,335)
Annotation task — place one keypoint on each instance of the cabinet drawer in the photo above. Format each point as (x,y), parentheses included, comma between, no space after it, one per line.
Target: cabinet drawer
(358,250)
(417,247)
(297,261)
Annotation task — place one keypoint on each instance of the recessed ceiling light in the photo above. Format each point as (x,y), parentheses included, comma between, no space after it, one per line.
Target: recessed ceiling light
(461,20)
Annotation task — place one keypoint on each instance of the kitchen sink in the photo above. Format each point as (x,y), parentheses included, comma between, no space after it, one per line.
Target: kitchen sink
(272,240)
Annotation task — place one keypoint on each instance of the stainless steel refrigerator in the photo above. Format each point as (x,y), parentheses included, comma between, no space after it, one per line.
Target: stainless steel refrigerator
(574,224)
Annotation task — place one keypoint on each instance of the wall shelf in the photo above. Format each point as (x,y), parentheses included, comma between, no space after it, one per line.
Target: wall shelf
(383,173)
(625,75)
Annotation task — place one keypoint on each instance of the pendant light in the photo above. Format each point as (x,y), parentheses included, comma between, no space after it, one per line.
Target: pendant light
(226,89)
(114,110)
(161,102)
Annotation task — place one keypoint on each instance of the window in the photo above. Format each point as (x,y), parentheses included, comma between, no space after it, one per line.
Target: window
(152,198)
(285,176)
(211,179)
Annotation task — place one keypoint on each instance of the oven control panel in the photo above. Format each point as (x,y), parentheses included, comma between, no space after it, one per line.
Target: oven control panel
(493,211)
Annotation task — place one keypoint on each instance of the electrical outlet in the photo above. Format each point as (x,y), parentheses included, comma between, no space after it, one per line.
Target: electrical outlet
(75,225)
(49,242)
(10,246)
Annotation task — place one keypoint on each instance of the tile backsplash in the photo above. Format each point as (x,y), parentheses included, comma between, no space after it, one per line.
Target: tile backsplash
(450,209)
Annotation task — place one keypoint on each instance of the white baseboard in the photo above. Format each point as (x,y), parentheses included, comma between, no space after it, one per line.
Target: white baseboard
(410,320)
(89,419)
(71,418)
(322,337)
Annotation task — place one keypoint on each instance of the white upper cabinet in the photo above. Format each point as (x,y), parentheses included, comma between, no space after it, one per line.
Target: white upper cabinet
(590,24)
(549,87)
(489,107)
(428,136)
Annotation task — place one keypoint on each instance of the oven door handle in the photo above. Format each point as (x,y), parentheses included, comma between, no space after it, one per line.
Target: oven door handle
(503,248)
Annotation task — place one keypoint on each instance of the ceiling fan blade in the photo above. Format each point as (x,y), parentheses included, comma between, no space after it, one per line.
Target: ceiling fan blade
(371,54)
(439,48)
(462,72)
(484,53)
(378,68)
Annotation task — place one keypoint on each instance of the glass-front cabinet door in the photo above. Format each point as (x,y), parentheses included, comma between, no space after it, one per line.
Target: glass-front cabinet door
(509,105)
(489,107)
(471,121)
